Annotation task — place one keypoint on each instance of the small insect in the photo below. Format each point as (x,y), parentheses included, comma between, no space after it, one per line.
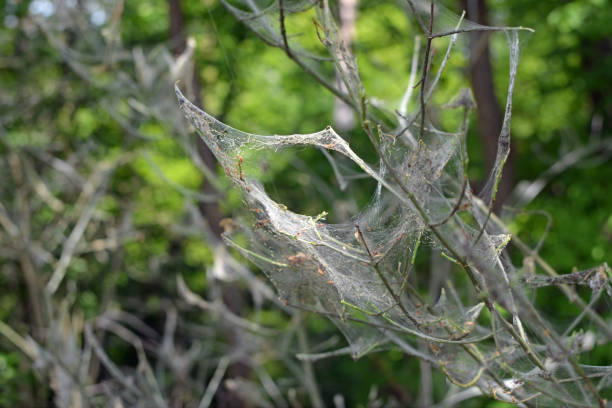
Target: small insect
(390,136)
(297,259)
(240,160)
(434,348)
(460,336)
(261,223)
(228,225)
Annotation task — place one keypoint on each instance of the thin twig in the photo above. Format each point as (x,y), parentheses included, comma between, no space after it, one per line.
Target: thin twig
(214,382)
(283,30)
(73,239)
(384,279)
(426,68)
(480,28)
(455,207)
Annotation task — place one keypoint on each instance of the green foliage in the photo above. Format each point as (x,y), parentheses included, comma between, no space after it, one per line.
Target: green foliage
(10,377)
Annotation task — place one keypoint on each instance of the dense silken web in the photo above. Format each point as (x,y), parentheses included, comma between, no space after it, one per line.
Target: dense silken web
(358,272)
